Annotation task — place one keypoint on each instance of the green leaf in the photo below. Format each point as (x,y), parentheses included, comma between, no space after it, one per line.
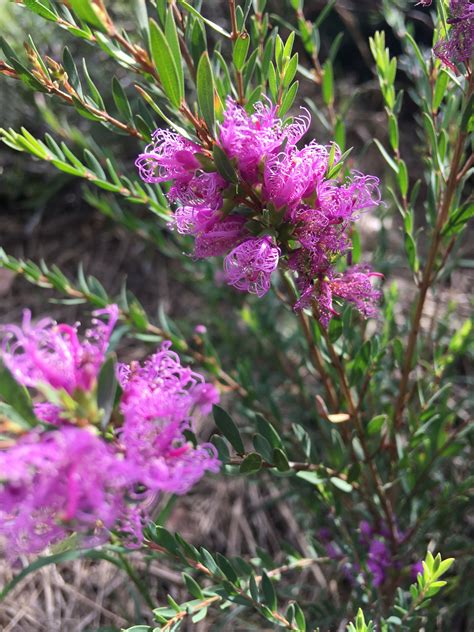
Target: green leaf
(84,9)
(121,100)
(402,177)
(328,83)
(205,90)
(290,71)
(251,464)
(228,428)
(227,568)
(198,43)
(375,424)
(164,61)
(224,165)
(164,538)
(263,447)
(440,89)
(106,390)
(410,248)
(193,587)
(280,460)
(266,429)
(393,131)
(268,592)
(16,395)
(391,163)
(241,47)
(196,13)
(418,53)
(199,616)
(173,41)
(311,477)
(341,484)
(288,99)
(41,9)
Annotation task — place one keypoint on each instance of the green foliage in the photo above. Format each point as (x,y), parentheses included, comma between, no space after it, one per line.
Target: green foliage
(359,423)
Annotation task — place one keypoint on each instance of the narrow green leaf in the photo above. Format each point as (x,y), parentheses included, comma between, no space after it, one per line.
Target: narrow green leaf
(328,83)
(417,52)
(341,484)
(228,428)
(193,587)
(375,425)
(288,99)
(16,395)
(224,165)
(41,9)
(195,12)
(402,178)
(269,597)
(198,41)
(106,390)
(164,61)
(84,9)
(410,248)
(239,53)
(121,100)
(205,90)
(391,163)
(172,38)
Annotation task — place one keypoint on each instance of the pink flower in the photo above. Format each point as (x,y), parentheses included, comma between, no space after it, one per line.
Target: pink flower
(249,266)
(56,483)
(167,157)
(458,46)
(52,353)
(292,175)
(158,402)
(220,237)
(353,286)
(249,138)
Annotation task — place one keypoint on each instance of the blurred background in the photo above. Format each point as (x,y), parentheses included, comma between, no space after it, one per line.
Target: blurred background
(45,214)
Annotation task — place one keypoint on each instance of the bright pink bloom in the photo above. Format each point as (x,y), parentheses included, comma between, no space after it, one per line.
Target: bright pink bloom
(167,157)
(220,237)
(56,483)
(158,403)
(292,175)
(52,353)
(249,138)
(458,46)
(249,266)
(353,285)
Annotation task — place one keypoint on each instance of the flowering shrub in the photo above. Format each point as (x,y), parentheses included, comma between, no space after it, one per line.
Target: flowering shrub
(339,390)
(81,473)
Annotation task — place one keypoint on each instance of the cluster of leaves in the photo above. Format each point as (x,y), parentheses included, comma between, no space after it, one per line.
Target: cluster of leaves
(380,440)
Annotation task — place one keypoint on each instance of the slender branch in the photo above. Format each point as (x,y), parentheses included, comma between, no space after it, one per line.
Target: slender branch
(68,97)
(201,568)
(355,415)
(315,354)
(427,277)
(297,466)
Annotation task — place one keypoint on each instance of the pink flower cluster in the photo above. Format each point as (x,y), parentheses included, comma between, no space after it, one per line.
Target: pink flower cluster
(284,210)
(458,46)
(69,475)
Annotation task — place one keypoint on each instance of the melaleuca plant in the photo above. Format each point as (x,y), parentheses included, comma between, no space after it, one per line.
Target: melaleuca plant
(335,387)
